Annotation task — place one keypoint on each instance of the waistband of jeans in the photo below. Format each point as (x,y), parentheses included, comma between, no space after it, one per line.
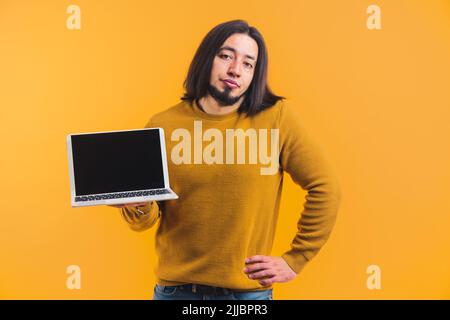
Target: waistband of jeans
(205,289)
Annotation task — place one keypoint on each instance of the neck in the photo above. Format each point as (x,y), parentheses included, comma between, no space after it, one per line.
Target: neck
(211,106)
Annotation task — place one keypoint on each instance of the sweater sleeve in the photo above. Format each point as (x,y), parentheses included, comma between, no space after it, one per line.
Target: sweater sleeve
(308,167)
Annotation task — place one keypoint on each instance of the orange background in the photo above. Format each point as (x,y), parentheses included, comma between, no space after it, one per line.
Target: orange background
(376,100)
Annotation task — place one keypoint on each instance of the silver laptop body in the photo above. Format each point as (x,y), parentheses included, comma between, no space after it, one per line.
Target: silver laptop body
(117,167)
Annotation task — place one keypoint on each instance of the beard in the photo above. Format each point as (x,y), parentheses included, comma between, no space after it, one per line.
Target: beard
(223,98)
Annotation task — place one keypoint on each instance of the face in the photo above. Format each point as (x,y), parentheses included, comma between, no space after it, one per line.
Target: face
(233,69)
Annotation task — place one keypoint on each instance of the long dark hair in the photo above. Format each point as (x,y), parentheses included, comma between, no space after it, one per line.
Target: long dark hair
(258,95)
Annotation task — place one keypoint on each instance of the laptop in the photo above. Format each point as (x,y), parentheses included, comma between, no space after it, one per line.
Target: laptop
(118,167)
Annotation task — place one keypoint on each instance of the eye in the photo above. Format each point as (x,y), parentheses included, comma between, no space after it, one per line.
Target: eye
(224,56)
(248,65)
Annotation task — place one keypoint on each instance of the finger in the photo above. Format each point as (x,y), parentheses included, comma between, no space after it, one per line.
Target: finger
(135,204)
(122,205)
(255,267)
(262,274)
(257,258)
(132,204)
(269,281)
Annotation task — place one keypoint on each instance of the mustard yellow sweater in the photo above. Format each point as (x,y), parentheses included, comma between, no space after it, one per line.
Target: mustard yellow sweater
(229,202)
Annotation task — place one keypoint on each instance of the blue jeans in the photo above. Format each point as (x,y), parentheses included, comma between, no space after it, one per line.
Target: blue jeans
(202,292)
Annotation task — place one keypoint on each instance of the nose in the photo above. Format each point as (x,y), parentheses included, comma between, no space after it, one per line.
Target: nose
(234,69)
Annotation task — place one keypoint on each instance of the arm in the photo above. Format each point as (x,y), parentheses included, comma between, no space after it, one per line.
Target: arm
(141,218)
(308,167)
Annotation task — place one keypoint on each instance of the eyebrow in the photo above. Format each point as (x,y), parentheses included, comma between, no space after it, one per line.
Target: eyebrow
(234,50)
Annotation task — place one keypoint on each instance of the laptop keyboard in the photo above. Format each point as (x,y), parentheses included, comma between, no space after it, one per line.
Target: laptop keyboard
(122,195)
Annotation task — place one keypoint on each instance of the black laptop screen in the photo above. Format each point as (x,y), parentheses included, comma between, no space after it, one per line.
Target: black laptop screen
(117,161)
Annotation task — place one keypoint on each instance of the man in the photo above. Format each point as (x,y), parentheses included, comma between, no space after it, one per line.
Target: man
(214,242)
